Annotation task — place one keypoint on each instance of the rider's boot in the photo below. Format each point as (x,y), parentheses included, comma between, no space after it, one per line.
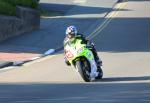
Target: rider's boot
(97,59)
(98,62)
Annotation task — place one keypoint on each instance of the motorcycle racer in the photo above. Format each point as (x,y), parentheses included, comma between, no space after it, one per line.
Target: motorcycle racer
(71,35)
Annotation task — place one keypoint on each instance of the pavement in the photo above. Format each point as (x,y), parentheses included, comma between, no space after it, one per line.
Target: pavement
(85,14)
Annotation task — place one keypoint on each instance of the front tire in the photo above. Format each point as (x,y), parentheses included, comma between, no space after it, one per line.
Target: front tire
(83,70)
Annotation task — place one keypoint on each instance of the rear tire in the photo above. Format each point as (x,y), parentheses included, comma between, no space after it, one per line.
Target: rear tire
(100,73)
(83,71)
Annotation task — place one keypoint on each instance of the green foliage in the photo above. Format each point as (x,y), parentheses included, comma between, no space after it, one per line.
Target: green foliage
(27,3)
(8,7)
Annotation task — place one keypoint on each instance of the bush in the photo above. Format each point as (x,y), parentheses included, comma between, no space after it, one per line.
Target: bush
(8,7)
(26,3)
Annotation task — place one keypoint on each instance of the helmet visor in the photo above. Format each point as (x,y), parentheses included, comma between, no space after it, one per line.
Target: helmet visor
(71,35)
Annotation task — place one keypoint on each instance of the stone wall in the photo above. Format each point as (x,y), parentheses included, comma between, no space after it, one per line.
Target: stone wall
(27,20)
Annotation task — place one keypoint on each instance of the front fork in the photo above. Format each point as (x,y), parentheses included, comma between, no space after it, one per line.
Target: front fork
(94,72)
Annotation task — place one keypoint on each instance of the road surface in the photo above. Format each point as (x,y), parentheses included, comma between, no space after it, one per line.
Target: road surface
(123,45)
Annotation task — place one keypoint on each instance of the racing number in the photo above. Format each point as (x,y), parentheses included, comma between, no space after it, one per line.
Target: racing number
(68,54)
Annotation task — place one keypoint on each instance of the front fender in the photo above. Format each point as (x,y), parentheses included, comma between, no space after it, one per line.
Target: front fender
(81,58)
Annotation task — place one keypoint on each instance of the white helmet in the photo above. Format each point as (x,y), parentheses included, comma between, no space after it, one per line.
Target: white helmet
(71,30)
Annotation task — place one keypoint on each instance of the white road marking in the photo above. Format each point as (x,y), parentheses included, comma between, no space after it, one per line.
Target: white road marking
(109,17)
(50,51)
(80,1)
(7,69)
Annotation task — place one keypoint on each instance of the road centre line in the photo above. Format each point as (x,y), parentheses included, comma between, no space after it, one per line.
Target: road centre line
(109,17)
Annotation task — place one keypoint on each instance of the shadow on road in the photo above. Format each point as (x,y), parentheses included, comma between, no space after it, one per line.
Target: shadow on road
(80,9)
(136,0)
(125,35)
(126,79)
(75,92)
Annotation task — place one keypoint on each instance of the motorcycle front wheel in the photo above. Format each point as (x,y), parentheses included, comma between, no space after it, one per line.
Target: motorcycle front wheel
(83,70)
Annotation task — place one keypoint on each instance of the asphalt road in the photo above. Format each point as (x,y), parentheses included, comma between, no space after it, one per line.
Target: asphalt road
(85,14)
(52,30)
(123,46)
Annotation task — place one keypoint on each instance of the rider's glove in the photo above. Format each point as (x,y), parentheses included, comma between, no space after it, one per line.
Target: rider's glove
(67,62)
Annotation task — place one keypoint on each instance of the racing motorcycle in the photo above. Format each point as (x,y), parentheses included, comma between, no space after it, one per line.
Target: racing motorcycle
(82,59)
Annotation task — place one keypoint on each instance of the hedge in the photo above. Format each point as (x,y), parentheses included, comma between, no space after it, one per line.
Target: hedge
(8,7)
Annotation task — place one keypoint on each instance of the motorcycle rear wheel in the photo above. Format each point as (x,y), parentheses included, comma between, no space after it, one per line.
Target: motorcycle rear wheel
(100,75)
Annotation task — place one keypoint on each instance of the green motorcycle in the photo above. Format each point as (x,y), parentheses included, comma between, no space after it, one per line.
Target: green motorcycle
(83,60)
